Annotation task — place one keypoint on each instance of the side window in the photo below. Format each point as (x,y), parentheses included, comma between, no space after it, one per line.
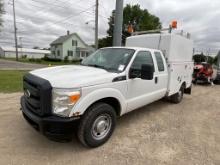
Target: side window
(69,53)
(143,57)
(74,43)
(58,52)
(160,62)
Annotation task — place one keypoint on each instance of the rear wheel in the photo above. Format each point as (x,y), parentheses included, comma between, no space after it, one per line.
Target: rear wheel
(177,98)
(97,125)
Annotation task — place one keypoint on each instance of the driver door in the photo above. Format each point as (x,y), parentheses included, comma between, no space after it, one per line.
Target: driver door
(141,92)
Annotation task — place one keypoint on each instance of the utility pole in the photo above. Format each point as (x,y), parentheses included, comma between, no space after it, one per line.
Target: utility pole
(118,21)
(21,46)
(15,31)
(96,23)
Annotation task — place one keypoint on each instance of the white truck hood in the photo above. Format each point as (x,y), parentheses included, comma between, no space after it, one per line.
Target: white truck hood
(74,76)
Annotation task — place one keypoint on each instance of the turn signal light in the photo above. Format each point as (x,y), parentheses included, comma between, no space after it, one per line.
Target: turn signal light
(74,98)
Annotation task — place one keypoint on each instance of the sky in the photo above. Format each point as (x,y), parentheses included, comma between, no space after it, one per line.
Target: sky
(39,22)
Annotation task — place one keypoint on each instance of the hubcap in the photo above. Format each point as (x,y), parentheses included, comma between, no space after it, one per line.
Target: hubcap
(101,126)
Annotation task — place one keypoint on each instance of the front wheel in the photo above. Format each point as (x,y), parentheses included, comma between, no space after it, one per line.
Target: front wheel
(97,125)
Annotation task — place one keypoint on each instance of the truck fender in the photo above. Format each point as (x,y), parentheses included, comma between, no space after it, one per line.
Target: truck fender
(85,102)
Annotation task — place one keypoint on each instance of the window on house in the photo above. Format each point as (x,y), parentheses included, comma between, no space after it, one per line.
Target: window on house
(58,52)
(159,60)
(53,52)
(82,54)
(70,53)
(74,43)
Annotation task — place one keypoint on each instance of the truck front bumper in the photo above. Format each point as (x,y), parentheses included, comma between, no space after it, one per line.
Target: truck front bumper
(54,127)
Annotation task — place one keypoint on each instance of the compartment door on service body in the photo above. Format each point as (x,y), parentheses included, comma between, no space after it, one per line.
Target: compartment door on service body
(141,92)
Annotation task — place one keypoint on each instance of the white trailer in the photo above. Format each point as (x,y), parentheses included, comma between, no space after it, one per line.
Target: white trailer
(178,52)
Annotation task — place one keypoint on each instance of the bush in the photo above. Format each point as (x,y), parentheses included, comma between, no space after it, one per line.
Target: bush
(38,60)
(76,60)
(45,58)
(31,59)
(66,59)
(24,56)
(35,60)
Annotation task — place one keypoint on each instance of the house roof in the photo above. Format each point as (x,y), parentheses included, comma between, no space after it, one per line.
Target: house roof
(24,50)
(62,39)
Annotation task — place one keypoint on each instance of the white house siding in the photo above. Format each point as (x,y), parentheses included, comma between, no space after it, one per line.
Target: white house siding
(55,49)
(67,46)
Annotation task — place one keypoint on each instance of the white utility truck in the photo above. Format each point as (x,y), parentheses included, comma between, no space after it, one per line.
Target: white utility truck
(109,83)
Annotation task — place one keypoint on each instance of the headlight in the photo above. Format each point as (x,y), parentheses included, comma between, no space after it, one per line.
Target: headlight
(64,100)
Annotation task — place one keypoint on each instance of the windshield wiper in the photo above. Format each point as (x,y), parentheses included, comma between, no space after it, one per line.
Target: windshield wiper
(96,66)
(99,66)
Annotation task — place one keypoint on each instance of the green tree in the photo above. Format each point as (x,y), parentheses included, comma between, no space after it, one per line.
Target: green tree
(139,19)
(198,58)
(216,60)
(210,60)
(1,12)
(36,47)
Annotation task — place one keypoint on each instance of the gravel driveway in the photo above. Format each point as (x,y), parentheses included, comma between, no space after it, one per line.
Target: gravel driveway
(14,65)
(160,133)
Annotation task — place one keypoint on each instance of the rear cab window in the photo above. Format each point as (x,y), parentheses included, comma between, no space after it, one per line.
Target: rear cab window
(160,62)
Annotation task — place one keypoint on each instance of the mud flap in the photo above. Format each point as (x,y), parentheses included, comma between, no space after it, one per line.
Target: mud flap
(188,90)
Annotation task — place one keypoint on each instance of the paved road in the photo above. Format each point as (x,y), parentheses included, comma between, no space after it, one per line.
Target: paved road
(13,65)
(161,133)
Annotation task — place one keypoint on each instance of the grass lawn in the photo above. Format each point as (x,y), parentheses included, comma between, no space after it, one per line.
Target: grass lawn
(11,81)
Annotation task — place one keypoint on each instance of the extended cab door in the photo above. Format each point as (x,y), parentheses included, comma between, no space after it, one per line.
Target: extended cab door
(161,73)
(142,92)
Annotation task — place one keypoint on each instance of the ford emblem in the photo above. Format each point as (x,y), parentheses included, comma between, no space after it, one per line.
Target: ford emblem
(27,93)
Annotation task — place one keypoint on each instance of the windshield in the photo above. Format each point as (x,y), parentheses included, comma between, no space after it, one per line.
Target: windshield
(110,59)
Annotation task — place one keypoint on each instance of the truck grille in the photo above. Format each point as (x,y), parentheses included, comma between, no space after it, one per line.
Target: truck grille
(37,94)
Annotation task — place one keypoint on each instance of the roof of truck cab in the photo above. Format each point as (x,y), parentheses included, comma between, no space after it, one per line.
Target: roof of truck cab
(135,48)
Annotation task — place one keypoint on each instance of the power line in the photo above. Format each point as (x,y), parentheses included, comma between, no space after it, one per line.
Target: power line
(70,17)
(65,19)
(47,9)
(105,10)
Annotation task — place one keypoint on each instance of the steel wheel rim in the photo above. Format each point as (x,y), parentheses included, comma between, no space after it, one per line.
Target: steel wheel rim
(101,126)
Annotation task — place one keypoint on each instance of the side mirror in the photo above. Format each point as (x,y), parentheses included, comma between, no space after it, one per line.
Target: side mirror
(133,73)
(147,72)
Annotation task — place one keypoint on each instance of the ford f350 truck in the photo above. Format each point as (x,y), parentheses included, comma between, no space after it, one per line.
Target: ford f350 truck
(109,83)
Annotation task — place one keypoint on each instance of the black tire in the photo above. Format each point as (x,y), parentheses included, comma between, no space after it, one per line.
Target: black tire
(88,122)
(178,97)
(216,82)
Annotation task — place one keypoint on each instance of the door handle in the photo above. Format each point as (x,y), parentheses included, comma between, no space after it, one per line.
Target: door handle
(156,80)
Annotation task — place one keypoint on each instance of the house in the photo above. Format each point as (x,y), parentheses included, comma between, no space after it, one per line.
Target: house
(70,46)
(10,52)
